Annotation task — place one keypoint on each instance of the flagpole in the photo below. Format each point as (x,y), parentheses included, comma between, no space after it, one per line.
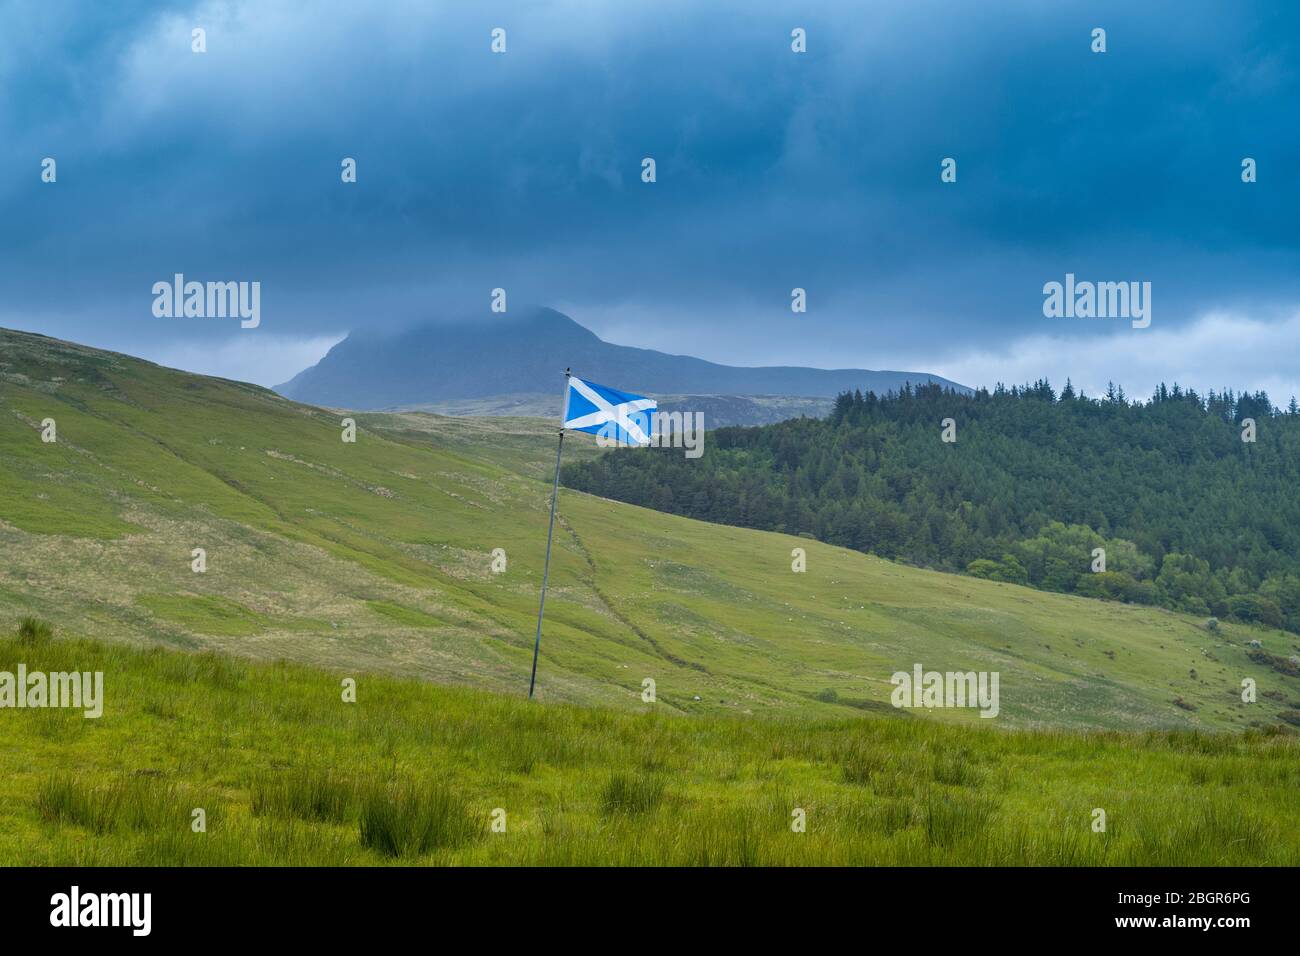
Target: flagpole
(550,532)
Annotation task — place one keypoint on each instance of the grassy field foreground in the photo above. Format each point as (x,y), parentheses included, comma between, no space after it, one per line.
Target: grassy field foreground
(286,772)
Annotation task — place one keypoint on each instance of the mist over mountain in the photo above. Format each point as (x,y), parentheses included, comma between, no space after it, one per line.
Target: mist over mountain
(526,352)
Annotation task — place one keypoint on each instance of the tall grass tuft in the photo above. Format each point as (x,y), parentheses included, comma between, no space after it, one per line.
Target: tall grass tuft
(127,803)
(860,764)
(956,768)
(950,818)
(625,793)
(303,793)
(32,631)
(408,819)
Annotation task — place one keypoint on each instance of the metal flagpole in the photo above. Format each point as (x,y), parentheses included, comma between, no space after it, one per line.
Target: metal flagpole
(550,532)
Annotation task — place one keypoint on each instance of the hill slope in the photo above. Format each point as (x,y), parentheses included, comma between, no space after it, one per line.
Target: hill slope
(375,556)
(1189,515)
(527,352)
(719,411)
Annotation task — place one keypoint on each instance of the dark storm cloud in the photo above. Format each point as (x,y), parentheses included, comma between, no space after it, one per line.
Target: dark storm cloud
(775,170)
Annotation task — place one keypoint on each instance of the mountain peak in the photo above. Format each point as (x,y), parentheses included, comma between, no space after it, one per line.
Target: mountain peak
(526,352)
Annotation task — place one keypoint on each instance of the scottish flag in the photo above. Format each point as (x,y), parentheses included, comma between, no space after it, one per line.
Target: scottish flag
(601,410)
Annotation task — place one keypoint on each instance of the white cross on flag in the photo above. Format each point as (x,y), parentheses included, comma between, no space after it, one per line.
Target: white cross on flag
(605,411)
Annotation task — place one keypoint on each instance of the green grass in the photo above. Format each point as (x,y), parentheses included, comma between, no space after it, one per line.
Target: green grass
(108,806)
(204,614)
(404,615)
(304,793)
(632,793)
(32,631)
(412,819)
(287,773)
(376,557)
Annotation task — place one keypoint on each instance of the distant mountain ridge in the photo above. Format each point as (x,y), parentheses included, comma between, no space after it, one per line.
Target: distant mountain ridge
(526,352)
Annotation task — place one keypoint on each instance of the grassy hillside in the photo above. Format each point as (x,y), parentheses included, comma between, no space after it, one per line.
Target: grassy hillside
(375,557)
(1188,514)
(718,410)
(287,773)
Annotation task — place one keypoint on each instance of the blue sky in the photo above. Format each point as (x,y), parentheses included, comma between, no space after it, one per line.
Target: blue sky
(522,170)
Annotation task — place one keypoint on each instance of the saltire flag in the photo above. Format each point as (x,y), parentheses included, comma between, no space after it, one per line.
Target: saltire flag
(619,416)
(601,410)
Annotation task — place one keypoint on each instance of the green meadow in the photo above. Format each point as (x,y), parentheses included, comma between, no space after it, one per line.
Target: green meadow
(287,773)
(373,559)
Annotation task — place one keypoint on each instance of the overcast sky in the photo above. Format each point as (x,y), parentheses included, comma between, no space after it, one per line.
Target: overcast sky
(522,170)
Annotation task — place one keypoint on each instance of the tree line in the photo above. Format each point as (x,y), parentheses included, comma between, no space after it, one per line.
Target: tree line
(1190,516)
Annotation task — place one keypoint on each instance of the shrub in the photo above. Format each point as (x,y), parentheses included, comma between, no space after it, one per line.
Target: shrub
(1109,585)
(949,818)
(860,764)
(1008,570)
(632,794)
(1279,663)
(304,794)
(955,769)
(1255,609)
(135,803)
(408,819)
(32,631)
